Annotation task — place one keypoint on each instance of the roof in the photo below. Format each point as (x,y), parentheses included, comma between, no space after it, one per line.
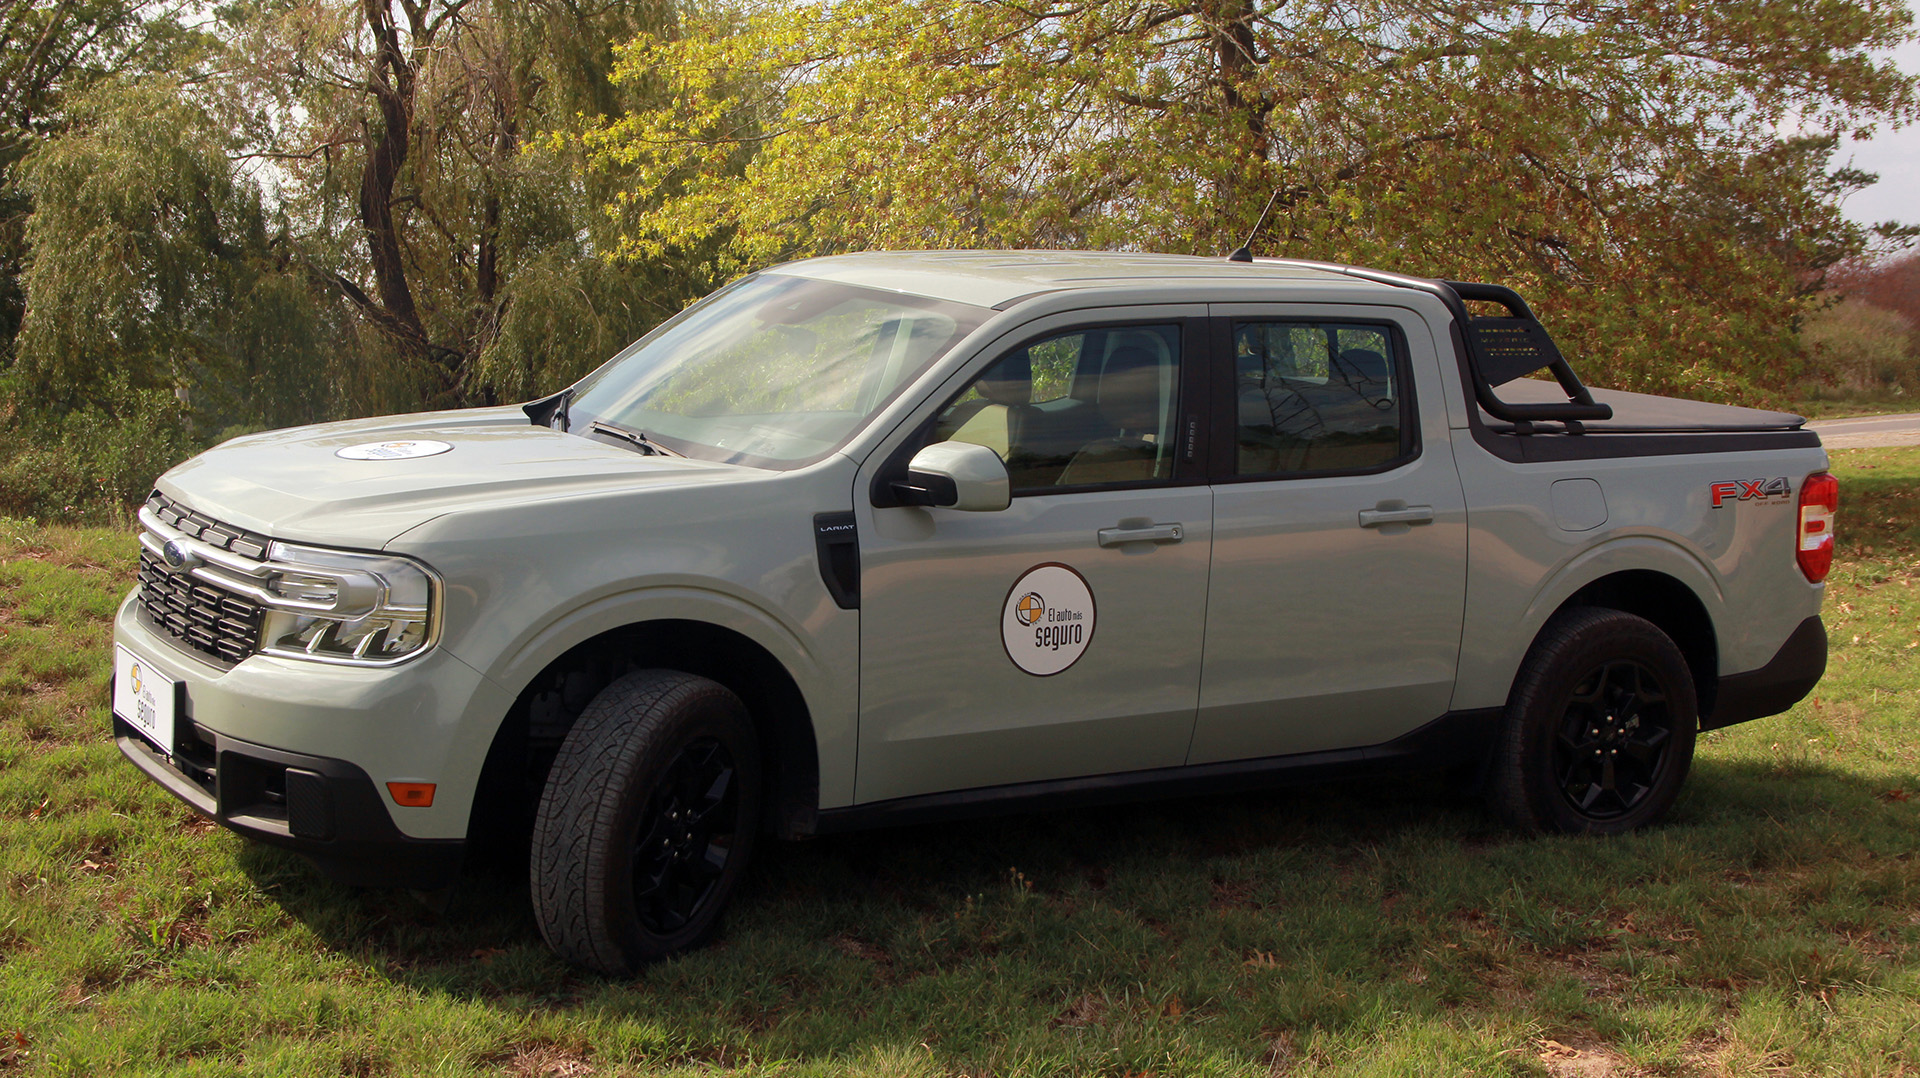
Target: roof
(991,278)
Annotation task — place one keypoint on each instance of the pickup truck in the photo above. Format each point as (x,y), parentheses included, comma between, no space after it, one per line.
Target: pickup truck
(891,537)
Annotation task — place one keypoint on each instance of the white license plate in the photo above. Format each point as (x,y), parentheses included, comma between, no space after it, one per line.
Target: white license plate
(145,697)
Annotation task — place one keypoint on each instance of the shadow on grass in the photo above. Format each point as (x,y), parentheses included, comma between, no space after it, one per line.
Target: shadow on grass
(1394,896)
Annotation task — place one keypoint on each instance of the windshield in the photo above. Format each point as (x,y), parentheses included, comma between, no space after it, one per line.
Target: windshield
(771,371)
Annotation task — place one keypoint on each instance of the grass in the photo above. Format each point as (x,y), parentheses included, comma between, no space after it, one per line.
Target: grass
(1773,927)
(1843,405)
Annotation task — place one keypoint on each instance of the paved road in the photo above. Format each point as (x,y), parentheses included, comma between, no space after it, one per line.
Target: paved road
(1869,430)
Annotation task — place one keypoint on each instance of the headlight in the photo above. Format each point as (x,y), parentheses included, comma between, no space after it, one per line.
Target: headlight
(338,606)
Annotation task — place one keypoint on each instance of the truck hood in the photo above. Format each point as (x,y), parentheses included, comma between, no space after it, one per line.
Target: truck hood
(291,484)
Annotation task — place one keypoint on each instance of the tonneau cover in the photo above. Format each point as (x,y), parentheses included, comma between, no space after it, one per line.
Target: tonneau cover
(1641,413)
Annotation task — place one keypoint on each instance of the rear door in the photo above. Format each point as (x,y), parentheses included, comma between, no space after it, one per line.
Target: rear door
(1340,533)
(1060,637)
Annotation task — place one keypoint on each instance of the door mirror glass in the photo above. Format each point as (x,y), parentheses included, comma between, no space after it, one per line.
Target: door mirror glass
(956,475)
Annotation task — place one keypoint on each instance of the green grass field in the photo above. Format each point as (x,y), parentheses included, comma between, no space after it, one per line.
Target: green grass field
(1772,927)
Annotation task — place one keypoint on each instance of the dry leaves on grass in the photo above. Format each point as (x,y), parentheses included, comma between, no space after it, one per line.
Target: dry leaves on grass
(547,1061)
(1566,1061)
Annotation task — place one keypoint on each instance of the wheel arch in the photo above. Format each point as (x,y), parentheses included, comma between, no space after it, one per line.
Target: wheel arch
(1650,578)
(1673,608)
(549,700)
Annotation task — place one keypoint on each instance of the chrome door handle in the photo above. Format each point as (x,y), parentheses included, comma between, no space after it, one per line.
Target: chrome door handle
(1412,514)
(1152,533)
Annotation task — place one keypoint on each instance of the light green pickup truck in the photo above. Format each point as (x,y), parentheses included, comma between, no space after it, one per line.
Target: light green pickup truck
(894,537)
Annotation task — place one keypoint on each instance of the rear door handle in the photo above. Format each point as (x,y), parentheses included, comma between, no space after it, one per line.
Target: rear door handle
(1152,533)
(1412,514)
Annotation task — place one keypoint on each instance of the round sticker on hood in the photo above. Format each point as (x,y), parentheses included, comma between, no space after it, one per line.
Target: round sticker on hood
(396,450)
(1047,621)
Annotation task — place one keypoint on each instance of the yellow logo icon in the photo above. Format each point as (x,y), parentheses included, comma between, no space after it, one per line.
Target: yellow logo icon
(1030,608)
(135,674)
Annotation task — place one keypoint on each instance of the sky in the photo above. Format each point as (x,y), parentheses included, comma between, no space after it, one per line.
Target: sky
(1895,155)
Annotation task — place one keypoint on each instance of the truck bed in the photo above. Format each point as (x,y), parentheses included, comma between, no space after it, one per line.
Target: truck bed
(1644,413)
(1642,425)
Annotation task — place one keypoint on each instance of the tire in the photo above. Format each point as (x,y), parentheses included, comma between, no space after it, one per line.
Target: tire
(1598,734)
(647,821)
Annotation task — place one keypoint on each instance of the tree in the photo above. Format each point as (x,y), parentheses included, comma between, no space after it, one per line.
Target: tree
(415,139)
(49,51)
(155,268)
(1621,161)
(1864,348)
(1893,284)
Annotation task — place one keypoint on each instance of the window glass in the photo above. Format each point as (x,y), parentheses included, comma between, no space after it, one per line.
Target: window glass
(1088,407)
(773,370)
(1316,397)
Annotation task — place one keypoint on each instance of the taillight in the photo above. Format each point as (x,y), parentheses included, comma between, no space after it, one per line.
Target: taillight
(1819,501)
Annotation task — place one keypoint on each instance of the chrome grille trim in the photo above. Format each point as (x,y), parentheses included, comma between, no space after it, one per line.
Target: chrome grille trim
(249,545)
(211,617)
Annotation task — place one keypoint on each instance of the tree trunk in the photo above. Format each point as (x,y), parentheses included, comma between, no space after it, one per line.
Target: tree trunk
(391,82)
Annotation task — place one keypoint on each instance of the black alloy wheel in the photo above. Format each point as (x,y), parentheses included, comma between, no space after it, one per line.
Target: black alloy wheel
(686,837)
(1613,740)
(647,822)
(1598,732)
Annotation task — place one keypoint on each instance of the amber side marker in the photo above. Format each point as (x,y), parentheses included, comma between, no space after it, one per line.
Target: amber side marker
(417,795)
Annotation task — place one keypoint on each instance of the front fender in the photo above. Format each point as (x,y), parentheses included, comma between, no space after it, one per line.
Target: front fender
(830,700)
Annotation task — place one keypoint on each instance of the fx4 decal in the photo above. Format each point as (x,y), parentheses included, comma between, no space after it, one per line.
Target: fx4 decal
(1742,490)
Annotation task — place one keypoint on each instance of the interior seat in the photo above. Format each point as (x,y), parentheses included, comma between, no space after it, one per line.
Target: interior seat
(1128,401)
(1000,418)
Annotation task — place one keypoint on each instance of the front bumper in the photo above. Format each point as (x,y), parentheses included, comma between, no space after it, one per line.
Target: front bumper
(431,719)
(330,810)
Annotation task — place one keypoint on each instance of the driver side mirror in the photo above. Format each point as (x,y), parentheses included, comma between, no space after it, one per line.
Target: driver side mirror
(955,475)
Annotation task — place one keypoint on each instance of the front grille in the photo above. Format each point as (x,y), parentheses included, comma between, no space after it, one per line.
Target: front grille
(206,529)
(209,619)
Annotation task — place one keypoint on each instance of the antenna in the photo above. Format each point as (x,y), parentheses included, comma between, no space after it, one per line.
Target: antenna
(1245,253)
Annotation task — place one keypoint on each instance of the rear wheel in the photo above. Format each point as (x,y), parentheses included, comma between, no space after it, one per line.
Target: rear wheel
(647,821)
(1599,731)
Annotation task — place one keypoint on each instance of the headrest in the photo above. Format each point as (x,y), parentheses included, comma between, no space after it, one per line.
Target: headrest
(1009,381)
(1365,365)
(1128,357)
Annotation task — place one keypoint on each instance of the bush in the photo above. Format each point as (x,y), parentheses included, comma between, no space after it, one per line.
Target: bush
(94,464)
(1862,350)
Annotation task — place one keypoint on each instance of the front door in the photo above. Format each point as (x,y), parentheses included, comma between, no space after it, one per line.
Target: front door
(1340,534)
(1062,636)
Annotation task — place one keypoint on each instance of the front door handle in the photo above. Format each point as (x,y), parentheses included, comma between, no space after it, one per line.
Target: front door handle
(1412,514)
(1151,533)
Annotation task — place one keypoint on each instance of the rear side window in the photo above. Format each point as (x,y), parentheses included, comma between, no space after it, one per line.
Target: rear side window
(1316,397)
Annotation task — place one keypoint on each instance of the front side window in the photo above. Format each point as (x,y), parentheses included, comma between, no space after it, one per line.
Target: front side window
(1089,407)
(1317,397)
(772,371)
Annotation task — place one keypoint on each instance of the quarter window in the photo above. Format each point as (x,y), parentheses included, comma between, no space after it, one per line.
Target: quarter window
(1317,397)
(1090,407)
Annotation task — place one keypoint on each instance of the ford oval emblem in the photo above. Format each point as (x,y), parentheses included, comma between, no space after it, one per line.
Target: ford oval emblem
(177,556)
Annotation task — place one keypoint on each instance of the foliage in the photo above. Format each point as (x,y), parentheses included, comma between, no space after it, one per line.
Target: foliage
(92,462)
(1382,929)
(321,209)
(1863,348)
(156,268)
(1622,162)
(50,51)
(415,147)
(1893,284)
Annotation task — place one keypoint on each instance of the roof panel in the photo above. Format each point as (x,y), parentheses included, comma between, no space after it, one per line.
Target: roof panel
(987,278)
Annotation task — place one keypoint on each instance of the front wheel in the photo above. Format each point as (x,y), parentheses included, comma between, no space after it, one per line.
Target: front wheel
(1598,734)
(647,821)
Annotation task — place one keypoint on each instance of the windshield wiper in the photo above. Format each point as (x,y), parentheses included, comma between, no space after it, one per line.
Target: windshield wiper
(635,438)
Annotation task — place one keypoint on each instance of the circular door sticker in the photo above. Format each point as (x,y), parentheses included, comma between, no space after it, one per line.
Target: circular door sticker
(392,450)
(1047,621)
